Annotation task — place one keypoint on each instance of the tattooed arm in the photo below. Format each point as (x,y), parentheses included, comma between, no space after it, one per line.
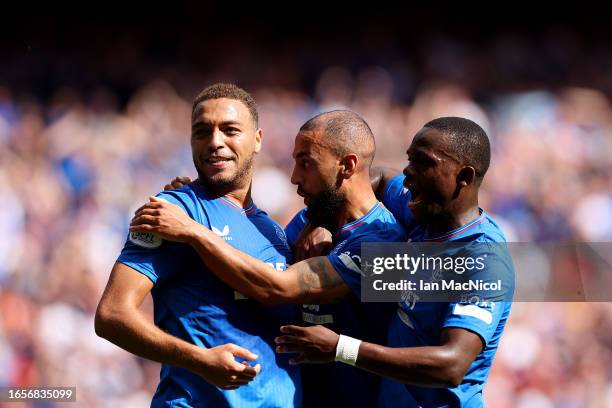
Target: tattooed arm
(314,280)
(310,281)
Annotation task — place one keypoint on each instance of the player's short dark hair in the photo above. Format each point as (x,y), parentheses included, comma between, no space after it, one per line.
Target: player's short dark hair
(229,91)
(467,140)
(345,132)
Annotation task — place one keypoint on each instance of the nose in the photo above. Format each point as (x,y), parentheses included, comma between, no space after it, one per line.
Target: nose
(409,173)
(217,140)
(295,177)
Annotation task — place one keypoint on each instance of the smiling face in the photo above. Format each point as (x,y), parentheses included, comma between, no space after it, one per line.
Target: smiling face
(224,139)
(431,175)
(316,174)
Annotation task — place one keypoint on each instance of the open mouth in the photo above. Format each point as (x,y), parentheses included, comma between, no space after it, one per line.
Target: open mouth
(415,197)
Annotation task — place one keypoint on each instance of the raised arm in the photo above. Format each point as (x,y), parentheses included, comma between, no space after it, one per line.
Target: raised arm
(310,281)
(120,320)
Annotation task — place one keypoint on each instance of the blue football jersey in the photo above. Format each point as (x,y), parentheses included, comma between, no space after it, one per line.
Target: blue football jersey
(191,303)
(420,323)
(337,384)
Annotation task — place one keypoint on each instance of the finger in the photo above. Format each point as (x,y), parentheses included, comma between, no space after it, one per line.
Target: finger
(154,199)
(237,378)
(242,352)
(292,329)
(168,187)
(289,340)
(142,228)
(177,184)
(148,211)
(241,377)
(147,205)
(184,179)
(289,348)
(240,383)
(144,219)
(299,359)
(229,387)
(249,372)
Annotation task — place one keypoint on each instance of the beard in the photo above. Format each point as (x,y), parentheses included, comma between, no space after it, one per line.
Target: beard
(220,183)
(324,207)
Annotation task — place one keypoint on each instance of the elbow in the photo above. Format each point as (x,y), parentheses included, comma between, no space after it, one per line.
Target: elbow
(104,321)
(451,377)
(453,372)
(446,368)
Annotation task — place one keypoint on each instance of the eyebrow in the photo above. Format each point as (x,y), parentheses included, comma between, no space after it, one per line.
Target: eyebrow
(300,155)
(418,152)
(203,123)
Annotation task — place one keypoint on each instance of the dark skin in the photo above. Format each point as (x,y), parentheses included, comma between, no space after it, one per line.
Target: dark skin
(445,197)
(444,192)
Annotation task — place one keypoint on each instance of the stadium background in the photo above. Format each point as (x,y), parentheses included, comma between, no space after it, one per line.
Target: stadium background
(94,117)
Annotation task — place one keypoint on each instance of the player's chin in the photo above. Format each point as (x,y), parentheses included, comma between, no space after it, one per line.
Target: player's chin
(218,174)
(220,179)
(421,211)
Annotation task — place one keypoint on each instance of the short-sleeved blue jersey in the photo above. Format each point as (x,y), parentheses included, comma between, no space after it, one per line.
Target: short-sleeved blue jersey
(191,303)
(339,385)
(420,324)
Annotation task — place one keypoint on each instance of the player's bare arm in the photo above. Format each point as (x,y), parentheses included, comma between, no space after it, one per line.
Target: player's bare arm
(310,281)
(433,366)
(120,320)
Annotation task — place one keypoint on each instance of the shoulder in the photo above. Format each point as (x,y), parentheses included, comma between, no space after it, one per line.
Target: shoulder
(386,226)
(270,228)
(296,225)
(298,221)
(489,230)
(190,199)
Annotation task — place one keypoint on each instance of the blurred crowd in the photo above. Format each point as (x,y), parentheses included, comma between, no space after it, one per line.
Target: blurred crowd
(74,167)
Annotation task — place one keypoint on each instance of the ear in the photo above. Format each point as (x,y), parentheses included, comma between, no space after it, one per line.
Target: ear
(466,176)
(258,140)
(349,165)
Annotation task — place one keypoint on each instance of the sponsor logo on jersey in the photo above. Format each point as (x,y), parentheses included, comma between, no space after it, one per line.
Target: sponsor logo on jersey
(225,233)
(145,239)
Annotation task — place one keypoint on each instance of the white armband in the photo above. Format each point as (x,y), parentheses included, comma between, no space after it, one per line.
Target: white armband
(347,350)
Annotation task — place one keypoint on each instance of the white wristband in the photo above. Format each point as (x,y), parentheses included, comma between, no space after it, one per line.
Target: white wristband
(347,350)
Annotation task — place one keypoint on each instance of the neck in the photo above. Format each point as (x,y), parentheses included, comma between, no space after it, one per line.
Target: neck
(452,220)
(240,195)
(358,201)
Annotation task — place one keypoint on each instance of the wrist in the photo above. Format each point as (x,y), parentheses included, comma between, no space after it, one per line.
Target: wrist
(195,233)
(197,358)
(347,350)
